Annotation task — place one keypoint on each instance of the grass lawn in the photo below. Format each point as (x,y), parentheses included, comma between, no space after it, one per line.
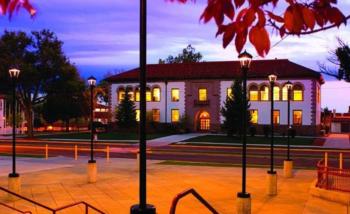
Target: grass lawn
(251,140)
(101,136)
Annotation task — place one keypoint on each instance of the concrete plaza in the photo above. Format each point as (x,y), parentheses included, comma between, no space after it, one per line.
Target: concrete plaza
(60,181)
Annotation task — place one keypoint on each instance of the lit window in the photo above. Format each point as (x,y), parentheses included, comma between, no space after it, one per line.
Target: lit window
(276,117)
(254,116)
(175,115)
(97,109)
(229,93)
(297,117)
(156,115)
(284,93)
(202,94)
(121,94)
(148,95)
(137,95)
(264,93)
(298,93)
(156,94)
(137,115)
(175,95)
(253,93)
(276,93)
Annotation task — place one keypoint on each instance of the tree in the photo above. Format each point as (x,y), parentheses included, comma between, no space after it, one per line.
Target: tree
(41,61)
(251,18)
(341,58)
(232,110)
(126,113)
(188,55)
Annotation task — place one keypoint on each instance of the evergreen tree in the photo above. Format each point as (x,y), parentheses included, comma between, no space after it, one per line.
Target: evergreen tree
(126,113)
(188,55)
(232,110)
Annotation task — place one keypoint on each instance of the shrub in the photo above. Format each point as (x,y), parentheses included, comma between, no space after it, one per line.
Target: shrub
(252,131)
(266,130)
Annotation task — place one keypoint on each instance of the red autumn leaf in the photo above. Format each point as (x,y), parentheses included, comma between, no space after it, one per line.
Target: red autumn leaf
(288,19)
(319,19)
(249,17)
(309,17)
(298,22)
(241,39)
(29,7)
(229,34)
(275,17)
(259,37)
(261,16)
(282,31)
(335,16)
(3,5)
(241,14)
(239,3)
(229,10)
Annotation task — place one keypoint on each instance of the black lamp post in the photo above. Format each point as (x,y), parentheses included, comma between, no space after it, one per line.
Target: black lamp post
(14,74)
(289,86)
(143,207)
(245,59)
(92,84)
(272,79)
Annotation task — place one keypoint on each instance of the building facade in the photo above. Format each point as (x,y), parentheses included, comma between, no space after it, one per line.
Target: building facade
(198,91)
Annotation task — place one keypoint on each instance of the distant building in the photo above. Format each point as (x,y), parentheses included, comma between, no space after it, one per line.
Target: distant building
(102,113)
(199,90)
(5,114)
(340,122)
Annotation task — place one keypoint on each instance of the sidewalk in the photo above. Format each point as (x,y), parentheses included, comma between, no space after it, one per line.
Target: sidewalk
(164,141)
(337,141)
(117,188)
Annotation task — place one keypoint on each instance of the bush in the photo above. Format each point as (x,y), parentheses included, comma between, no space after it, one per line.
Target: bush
(252,131)
(266,130)
(292,132)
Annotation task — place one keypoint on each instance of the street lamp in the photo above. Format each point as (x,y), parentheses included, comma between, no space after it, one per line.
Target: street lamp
(143,207)
(92,168)
(288,164)
(14,182)
(272,174)
(243,198)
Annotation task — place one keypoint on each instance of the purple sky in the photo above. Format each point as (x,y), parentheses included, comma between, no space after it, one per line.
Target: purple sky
(102,36)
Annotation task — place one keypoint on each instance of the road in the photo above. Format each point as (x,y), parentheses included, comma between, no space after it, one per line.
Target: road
(256,156)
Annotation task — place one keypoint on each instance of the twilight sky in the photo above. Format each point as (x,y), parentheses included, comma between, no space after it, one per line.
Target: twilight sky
(102,36)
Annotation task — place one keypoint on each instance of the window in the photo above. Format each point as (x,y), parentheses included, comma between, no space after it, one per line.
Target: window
(297,117)
(130,94)
(276,93)
(229,93)
(175,95)
(148,94)
(254,116)
(121,94)
(137,95)
(202,94)
(276,117)
(253,93)
(285,93)
(137,115)
(156,94)
(155,115)
(264,93)
(298,93)
(175,115)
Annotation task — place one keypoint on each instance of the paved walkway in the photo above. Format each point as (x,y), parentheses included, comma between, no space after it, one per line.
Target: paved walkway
(117,188)
(340,141)
(164,141)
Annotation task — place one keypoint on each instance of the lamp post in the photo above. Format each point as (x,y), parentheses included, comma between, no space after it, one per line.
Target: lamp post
(14,182)
(92,168)
(288,163)
(243,198)
(272,174)
(143,207)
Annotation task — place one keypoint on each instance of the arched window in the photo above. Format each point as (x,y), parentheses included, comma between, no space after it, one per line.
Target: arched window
(264,93)
(284,93)
(156,94)
(253,93)
(130,92)
(276,93)
(148,94)
(298,92)
(121,94)
(137,94)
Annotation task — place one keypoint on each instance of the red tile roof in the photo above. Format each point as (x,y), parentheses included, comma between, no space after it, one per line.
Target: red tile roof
(260,69)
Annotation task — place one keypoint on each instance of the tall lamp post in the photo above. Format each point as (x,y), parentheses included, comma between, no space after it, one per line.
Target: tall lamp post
(14,182)
(92,168)
(272,174)
(143,207)
(243,198)
(288,163)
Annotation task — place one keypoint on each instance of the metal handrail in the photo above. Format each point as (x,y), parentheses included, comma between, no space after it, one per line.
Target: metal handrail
(54,211)
(196,195)
(15,209)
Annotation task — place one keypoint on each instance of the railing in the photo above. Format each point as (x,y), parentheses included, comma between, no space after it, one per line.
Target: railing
(54,211)
(196,195)
(15,209)
(332,178)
